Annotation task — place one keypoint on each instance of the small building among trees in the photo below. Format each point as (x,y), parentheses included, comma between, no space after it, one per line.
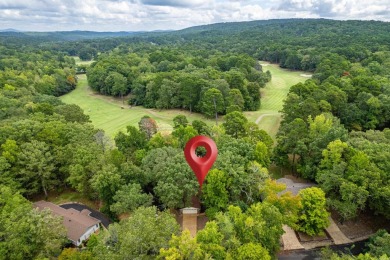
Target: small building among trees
(79,224)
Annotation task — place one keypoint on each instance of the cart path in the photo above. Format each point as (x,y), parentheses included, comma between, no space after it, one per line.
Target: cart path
(264,115)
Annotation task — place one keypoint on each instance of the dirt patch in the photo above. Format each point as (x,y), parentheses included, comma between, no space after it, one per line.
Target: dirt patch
(362,227)
(202,220)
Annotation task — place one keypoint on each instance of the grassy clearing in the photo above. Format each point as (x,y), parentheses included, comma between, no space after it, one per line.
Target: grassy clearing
(72,196)
(106,112)
(67,196)
(273,95)
(81,62)
(276,91)
(270,123)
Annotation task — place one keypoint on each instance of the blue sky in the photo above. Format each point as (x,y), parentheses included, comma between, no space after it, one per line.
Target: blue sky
(136,15)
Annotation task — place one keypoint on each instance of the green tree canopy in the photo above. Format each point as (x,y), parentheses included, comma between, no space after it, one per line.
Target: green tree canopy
(213,103)
(129,198)
(235,124)
(27,233)
(313,217)
(142,235)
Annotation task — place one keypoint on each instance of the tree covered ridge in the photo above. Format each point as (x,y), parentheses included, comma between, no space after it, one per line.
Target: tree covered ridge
(293,43)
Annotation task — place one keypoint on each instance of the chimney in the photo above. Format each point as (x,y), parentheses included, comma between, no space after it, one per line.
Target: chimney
(190,220)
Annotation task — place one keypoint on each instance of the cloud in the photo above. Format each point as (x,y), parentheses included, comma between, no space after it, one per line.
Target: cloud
(8,4)
(339,9)
(132,15)
(322,8)
(176,3)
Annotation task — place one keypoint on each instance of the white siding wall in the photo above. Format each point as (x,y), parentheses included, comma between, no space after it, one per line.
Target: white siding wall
(87,234)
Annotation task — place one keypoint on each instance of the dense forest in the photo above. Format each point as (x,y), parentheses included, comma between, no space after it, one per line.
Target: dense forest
(334,132)
(174,78)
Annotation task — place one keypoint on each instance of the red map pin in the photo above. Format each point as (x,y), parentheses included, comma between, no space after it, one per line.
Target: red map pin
(201,165)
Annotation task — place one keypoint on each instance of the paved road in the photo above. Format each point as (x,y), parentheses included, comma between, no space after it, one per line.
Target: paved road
(353,248)
(94,213)
(312,254)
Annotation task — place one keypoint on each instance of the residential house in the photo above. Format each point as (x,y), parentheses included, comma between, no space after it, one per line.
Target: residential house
(79,224)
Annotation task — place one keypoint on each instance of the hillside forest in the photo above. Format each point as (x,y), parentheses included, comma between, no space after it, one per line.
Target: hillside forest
(334,133)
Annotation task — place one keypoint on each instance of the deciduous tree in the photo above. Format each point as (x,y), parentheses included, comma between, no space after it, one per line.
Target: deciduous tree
(235,124)
(176,183)
(313,217)
(251,251)
(183,247)
(129,198)
(141,236)
(133,140)
(212,103)
(214,193)
(262,155)
(36,167)
(180,120)
(235,98)
(148,125)
(27,233)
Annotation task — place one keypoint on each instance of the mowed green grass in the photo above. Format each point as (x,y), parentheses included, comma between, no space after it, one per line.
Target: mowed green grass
(273,96)
(81,62)
(107,113)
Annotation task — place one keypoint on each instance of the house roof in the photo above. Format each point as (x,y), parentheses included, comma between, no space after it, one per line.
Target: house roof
(76,222)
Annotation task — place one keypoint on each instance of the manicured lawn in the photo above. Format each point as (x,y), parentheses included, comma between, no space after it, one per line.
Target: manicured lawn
(107,113)
(273,95)
(81,62)
(270,123)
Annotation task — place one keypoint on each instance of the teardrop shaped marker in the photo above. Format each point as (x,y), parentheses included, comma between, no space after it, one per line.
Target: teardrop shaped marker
(200,165)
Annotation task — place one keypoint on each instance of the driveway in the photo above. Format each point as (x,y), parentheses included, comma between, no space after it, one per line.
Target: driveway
(355,249)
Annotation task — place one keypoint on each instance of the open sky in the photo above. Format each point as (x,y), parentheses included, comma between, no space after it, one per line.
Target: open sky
(139,15)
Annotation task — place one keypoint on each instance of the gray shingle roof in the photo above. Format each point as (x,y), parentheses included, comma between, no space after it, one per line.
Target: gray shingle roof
(76,222)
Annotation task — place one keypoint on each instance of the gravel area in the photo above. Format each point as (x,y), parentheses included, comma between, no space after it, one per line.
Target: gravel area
(292,186)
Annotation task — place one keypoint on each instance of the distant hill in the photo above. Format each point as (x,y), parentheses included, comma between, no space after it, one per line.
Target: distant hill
(65,35)
(9,30)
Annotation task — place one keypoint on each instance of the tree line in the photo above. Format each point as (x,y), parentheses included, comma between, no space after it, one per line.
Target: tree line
(210,83)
